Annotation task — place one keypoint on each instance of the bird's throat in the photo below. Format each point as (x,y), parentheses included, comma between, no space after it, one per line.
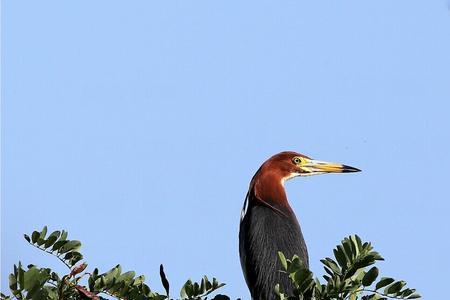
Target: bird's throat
(268,190)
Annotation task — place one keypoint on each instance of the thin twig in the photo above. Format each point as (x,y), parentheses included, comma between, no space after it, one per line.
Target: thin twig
(50,252)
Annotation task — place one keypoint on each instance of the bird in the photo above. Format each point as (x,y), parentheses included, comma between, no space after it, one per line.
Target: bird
(268,224)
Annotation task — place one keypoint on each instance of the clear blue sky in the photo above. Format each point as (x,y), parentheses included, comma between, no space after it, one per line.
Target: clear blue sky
(137,126)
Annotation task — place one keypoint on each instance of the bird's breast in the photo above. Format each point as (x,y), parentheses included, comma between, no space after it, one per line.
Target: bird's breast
(263,232)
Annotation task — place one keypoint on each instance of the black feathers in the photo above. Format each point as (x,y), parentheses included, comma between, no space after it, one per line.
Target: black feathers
(263,232)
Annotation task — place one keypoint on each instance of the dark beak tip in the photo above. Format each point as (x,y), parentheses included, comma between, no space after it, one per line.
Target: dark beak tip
(348,169)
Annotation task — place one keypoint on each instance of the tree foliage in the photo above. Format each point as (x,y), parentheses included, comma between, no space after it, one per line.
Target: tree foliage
(37,283)
(346,277)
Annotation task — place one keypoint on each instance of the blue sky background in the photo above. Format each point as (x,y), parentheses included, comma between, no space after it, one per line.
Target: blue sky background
(137,126)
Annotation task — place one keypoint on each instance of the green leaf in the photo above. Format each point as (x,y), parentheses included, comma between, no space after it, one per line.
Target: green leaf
(202,285)
(21,276)
(40,242)
(91,283)
(394,288)
(73,257)
(340,256)
(138,280)
(111,276)
(282,259)
(63,236)
(99,284)
(35,277)
(43,233)
(186,290)
(35,236)
(27,237)
(13,283)
(358,276)
(406,292)
(103,281)
(70,246)
(329,271)
(370,276)
(127,276)
(50,241)
(348,249)
(215,283)
(52,238)
(301,277)
(58,245)
(355,245)
(375,255)
(332,265)
(196,289)
(358,241)
(31,278)
(384,281)
(164,280)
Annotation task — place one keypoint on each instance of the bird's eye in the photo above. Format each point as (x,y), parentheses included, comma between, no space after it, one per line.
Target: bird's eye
(297,160)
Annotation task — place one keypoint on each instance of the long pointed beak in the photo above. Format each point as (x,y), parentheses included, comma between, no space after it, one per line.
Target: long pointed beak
(313,167)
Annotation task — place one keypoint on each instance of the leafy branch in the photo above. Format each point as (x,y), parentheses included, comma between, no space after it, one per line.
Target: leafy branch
(56,244)
(346,276)
(37,283)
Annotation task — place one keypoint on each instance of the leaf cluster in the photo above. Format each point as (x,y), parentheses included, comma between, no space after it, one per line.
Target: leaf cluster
(121,285)
(37,283)
(57,244)
(194,290)
(31,282)
(346,276)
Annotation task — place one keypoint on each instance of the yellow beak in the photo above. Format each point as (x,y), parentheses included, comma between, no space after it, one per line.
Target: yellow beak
(315,167)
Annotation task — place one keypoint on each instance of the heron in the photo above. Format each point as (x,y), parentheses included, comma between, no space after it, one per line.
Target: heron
(268,223)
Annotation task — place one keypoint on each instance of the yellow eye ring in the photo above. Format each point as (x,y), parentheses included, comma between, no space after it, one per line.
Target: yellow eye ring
(297,160)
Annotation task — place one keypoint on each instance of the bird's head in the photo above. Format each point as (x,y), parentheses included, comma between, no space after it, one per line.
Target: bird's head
(288,164)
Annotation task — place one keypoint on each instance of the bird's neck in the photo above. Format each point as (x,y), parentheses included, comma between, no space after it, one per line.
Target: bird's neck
(268,189)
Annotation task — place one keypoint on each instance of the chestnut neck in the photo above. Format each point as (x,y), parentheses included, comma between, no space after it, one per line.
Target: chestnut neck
(267,188)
